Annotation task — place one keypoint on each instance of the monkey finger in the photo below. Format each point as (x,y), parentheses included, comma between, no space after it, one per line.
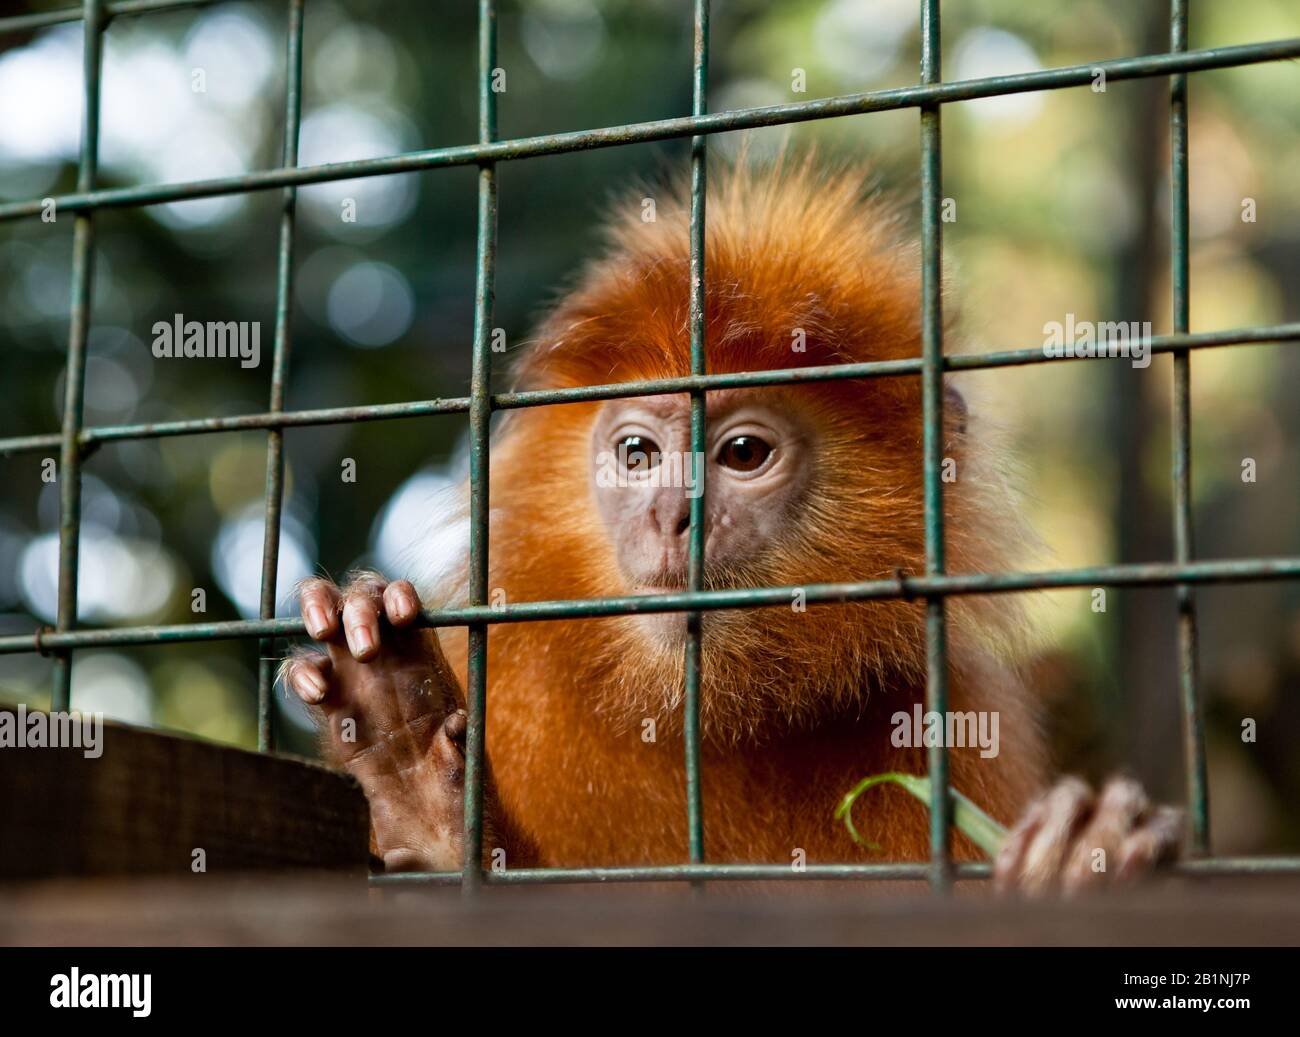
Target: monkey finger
(1157,838)
(1011,855)
(401,603)
(308,674)
(1085,866)
(1065,811)
(361,604)
(319,602)
(1119,809)
(451,696)
(449,744)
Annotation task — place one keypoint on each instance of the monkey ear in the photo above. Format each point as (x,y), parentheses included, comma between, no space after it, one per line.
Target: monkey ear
(954,410)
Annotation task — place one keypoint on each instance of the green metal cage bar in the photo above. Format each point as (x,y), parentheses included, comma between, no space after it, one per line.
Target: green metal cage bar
(1198,805)
(1147,574)
(480,418)
(669,129)
(120,9)
(699,468)
(91,438)
(83,260)
(889,871)
(266,663)
(75,442)
(936,622)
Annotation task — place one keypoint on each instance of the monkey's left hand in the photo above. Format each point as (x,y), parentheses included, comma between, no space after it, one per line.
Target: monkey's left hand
(1072,839)
(388,705)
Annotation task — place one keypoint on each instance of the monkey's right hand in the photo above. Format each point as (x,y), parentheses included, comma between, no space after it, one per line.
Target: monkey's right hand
(389,709)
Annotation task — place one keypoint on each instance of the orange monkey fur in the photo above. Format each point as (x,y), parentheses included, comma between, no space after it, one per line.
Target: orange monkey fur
(795,706)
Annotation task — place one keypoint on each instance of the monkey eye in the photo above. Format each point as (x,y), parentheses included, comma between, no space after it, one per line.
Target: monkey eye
(638,453)
(744,453)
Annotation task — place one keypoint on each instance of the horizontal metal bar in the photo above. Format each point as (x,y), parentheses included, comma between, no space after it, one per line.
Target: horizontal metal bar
(1148,574)
(882,870)
(90,437)
(93,437)
(121,9)
(1204,867)
(668,129)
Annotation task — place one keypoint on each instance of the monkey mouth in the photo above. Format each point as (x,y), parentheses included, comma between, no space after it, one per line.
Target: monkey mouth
(661,581)
(659,588)
(670,581)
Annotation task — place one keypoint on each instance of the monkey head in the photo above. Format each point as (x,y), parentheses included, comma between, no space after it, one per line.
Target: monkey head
(805,483)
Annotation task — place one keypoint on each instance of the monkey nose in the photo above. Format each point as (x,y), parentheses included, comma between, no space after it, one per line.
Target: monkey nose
(671,519)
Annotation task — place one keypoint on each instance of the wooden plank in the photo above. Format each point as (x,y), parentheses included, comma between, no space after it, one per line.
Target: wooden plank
(283,910)
(150,800)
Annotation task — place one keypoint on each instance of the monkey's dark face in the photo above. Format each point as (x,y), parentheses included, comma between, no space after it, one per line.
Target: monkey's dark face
(756,464)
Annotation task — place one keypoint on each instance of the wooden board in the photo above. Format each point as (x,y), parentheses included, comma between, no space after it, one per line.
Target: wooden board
(281,910)
(151,799)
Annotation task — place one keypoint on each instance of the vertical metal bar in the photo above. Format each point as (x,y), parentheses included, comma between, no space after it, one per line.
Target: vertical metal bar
(936,631)
(74,384)
(279,370)
(699,464)
(480,417)
(1193,726)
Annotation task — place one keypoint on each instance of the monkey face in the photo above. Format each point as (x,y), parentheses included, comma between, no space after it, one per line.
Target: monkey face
(756,464)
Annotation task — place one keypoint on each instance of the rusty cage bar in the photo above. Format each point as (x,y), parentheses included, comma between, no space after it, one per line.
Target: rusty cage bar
(74,442)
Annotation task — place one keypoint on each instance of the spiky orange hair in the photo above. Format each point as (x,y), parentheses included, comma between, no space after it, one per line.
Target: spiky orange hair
(795,706)
(787,247)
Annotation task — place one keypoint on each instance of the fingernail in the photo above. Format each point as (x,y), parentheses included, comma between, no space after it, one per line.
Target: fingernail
(405,604)
(362,642)
(310,685)
(317,621)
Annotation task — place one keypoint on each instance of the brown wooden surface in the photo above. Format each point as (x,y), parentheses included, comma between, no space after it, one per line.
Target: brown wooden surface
(151,799)
(286,910)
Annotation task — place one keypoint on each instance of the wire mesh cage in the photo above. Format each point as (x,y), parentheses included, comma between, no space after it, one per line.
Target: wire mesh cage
(75,441)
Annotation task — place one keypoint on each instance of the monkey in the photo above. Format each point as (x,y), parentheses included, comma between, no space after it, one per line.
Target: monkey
(819,481)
